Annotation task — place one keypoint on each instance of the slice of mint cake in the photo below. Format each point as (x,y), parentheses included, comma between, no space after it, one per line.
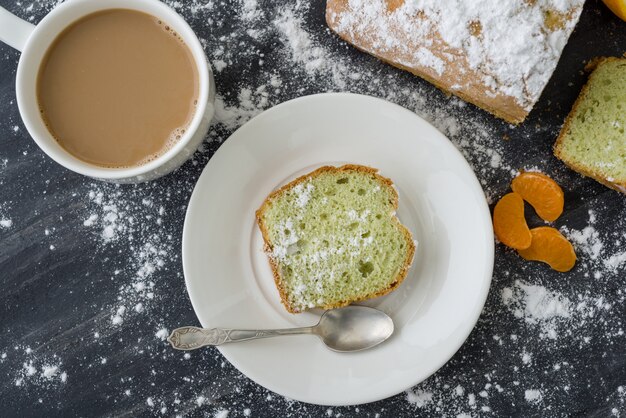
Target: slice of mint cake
(332,238)
(593,138)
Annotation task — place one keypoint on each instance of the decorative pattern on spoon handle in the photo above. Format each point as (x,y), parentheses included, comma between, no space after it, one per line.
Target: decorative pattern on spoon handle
(190,338)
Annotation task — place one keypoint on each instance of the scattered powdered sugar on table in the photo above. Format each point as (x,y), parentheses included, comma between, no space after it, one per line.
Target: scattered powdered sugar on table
(315,59)
(162,334)
(588,239)
(251,103)
(5,221)
(114,216)
(36,371)
(616,261)
(223,413)
(537,305)
(533,395)
(419,397)
(250,10)
(534,320)
(602,255)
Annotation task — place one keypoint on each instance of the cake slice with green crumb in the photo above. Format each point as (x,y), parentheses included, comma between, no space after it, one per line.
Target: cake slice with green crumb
(332,238)
(593,139)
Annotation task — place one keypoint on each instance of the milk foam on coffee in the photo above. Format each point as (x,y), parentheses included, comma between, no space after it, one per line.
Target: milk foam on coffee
(118,88)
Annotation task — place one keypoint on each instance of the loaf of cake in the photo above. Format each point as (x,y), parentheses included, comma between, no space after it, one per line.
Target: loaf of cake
(498,55)
(593,139)
(332,238)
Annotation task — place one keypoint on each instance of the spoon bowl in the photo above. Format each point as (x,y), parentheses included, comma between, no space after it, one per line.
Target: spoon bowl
(353,328)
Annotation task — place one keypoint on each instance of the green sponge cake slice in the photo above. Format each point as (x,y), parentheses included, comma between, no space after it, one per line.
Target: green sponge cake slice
(593,138)
(332,238)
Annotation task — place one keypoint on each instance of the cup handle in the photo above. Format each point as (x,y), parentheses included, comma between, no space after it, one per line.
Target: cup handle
(13,30)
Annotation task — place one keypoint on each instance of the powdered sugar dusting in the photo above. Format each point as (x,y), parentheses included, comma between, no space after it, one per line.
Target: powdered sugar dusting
(512,47)
(601,259)
(251,103)
(537,306)
(264,53)
(533,395)
(587,240)
(616,261)
(535,303)
(162,334)
(419,398)
(315,59)
(303,194)
(37,371)
(5,221)
(223,413)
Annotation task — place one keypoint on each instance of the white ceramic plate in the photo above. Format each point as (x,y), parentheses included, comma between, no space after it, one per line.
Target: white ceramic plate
(230,283)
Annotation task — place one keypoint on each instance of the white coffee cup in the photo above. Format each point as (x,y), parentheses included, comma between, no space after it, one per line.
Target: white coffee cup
(33,42)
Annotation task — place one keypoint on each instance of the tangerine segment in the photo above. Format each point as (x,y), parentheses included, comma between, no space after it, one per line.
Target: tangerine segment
(618,7)
(549,246)
(543,194)
(509,223)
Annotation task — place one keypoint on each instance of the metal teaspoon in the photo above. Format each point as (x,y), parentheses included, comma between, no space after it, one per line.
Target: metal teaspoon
(352,328)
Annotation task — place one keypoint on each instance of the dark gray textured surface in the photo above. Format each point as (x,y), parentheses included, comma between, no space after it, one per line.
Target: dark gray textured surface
(63,284)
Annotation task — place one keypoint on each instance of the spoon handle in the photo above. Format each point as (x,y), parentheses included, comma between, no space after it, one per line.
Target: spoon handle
(190,338)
